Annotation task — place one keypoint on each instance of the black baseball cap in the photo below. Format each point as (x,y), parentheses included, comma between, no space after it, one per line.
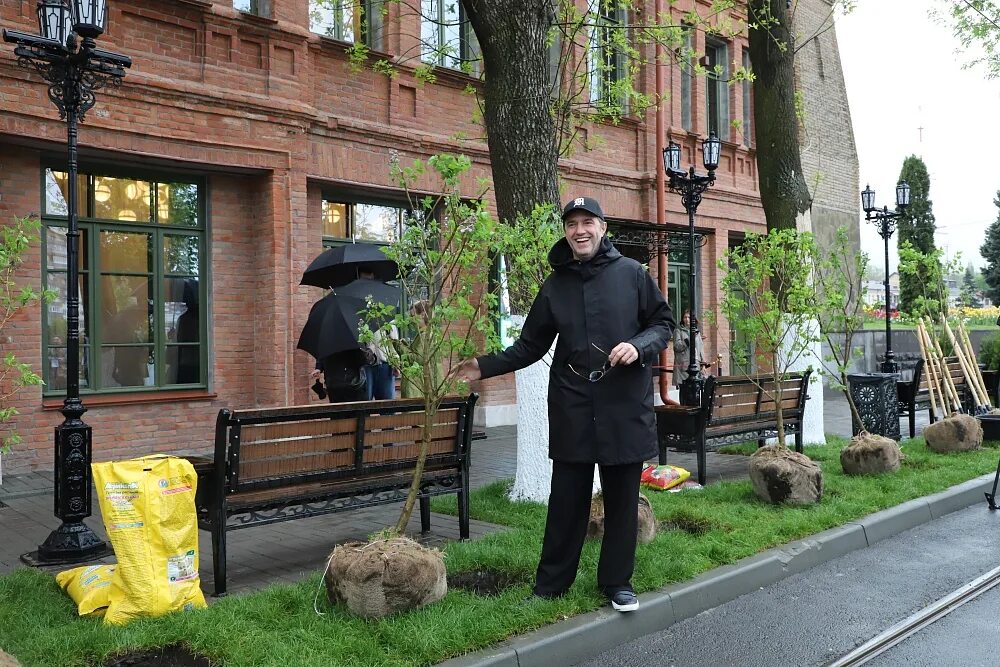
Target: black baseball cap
(587,204)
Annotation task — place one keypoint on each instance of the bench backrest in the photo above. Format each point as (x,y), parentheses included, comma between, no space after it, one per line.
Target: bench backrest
(954,370)
(740,398)
(273,447)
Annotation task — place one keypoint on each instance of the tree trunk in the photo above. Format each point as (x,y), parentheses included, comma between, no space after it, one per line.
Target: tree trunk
(520,128)
(783,191)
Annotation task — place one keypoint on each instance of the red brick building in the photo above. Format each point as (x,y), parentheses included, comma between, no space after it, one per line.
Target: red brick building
(236,147)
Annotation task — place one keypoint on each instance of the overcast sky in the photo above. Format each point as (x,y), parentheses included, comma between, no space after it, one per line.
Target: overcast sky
(903,73)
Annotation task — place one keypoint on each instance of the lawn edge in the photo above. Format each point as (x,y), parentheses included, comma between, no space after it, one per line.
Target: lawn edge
(587,635)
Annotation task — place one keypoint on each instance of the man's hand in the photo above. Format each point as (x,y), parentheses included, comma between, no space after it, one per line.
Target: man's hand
(623,354)
(314,373)
(468,370)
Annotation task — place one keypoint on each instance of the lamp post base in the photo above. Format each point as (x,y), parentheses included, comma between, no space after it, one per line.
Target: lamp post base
(71,542)
(690,392)
(889,367)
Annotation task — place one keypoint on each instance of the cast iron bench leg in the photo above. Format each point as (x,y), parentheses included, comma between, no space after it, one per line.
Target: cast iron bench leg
(912,416)
(219,555)
(798,439)
(425,513)
(702,459)
(463,508)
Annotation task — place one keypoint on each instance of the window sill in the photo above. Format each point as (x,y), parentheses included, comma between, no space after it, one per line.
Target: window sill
(134,398)
(202,4)
(257,18)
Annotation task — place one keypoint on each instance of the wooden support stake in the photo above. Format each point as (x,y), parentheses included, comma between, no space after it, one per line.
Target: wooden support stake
(964,364)
(971,354)
(931,375)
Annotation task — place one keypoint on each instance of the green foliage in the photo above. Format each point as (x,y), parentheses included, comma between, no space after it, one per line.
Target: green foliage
(968,297)
(442,254)
(925,272)
(990,251)
(976,25)
(989,352)
(525,244)
(916,227)
(15,239)
(769,297)
(838,274)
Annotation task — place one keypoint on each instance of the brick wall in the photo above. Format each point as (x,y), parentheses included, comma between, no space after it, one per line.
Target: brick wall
(270,115)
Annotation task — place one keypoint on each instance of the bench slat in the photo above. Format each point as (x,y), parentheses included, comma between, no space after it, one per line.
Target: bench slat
(282,430)
(409,419)
(389,436)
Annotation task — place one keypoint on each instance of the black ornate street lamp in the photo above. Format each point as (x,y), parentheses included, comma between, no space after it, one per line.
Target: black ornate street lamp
(885,222)
(67,57)
(691,185)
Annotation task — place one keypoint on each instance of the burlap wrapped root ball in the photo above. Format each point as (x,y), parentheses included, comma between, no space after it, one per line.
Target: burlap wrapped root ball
(383,577)
(959,433)
(780,475)
(647,520)
(870,454)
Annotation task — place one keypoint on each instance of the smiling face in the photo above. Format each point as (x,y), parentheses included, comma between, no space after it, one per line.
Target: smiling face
(584,232)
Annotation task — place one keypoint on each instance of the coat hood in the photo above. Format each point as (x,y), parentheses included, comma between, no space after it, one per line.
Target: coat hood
(561,257)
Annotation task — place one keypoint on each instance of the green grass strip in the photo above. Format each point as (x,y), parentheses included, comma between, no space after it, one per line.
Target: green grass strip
(277,626)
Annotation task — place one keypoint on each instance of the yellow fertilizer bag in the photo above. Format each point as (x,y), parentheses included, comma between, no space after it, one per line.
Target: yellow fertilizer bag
(89,587)
(149,514)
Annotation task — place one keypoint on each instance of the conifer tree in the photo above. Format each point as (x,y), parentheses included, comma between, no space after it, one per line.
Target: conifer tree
(990,250)
(916,227)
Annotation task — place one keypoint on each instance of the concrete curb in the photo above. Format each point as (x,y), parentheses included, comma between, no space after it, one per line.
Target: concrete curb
(584,636)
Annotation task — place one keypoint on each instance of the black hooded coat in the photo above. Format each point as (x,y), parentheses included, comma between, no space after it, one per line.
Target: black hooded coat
(601,302)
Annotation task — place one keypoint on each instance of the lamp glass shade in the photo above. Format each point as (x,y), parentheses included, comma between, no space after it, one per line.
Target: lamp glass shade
(90,17)
(902,194)
(710,150)
(672,157)
(868,199)
(54,20)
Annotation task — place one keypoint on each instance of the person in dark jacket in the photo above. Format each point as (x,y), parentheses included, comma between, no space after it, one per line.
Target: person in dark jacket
(612,323)
(344,375)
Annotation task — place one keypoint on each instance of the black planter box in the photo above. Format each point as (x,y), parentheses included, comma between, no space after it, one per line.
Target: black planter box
(991,426)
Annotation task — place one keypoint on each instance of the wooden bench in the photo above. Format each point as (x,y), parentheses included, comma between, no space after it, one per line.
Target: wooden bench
(914,395)
(734,409)
(280,464)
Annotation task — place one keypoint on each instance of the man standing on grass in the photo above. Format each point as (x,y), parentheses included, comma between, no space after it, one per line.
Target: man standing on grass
(612,323)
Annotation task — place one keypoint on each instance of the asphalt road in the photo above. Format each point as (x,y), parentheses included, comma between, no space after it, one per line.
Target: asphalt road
(815,617)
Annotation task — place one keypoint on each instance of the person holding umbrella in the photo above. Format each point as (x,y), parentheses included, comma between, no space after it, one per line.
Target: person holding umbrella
(612,323)
(331,332)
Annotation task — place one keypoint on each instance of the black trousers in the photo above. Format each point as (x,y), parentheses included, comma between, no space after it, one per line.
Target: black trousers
(566,526)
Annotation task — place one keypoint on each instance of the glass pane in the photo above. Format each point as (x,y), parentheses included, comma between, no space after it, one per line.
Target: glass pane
(55,249)
(126,252)
(55,379)
(376,223)
(57,193)
(177,204)
(122,199)
(333,18)
(127,366)
(181,254)
(57,324)
(430,40)
(126,309)
(181,314)
(335,220)
(183,364)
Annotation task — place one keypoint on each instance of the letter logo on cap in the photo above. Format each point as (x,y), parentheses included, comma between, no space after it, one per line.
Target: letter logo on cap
(578,201)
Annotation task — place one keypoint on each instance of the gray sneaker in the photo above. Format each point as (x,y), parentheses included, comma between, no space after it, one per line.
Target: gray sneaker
(625,600)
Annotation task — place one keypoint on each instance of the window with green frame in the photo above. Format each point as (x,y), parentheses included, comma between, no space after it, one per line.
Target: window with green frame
(142,290)
(358,21)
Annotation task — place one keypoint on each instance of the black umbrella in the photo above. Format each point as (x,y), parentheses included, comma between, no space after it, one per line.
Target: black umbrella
(332,326)
(338,266)
(363,288)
